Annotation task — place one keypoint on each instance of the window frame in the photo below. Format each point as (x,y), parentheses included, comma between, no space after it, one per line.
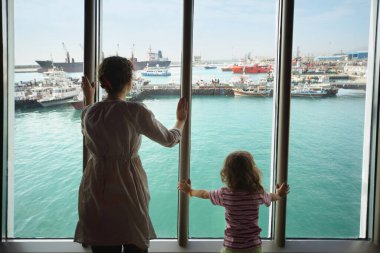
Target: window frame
(280,243)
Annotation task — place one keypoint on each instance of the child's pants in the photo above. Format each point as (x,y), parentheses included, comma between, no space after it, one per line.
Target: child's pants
(251,250)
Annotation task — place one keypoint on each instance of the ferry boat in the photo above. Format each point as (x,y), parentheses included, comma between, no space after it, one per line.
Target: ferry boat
(60,95)
(252,69)
(155,71)
(313,91)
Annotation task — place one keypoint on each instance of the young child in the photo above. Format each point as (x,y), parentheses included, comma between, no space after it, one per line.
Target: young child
(113,194)
(241,199)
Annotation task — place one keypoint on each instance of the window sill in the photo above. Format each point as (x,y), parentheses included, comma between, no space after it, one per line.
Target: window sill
(196,246)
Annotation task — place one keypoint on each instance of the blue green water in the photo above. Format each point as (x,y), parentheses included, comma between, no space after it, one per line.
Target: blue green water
(324,165)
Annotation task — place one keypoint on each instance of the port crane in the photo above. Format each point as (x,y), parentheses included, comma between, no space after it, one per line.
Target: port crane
(67,53)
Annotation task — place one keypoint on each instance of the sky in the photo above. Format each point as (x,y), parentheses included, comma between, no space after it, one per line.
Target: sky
(223,30)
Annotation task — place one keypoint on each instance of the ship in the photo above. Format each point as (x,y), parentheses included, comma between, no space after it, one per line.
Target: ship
(154,60)
(70,65)
(155,71)
(252,69)
(254,91)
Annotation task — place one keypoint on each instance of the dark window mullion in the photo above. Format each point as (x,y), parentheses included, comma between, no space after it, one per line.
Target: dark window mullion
(184,161)
(284,67)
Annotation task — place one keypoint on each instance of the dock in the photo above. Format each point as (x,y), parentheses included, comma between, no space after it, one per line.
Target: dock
(150,91)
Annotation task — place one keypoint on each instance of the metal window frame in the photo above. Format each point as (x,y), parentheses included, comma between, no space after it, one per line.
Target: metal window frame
(3,112)
(91,51)
(282,111)
(184,155)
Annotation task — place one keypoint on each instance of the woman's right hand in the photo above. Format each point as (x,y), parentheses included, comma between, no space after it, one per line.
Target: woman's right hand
(88,90)
(182,109)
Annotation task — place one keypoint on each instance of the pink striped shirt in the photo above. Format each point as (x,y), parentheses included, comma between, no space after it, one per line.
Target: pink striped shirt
(242,215)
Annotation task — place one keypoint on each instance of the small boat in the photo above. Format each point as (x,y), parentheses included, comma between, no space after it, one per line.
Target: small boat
(313,91)
(60,95)
(155,71)
(254,91)
(210,66)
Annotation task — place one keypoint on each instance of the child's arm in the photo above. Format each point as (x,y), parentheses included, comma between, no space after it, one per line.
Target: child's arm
(185,186)
(281,191)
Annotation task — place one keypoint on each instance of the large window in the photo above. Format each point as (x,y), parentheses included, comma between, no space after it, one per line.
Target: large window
(234,106)
(149,33)
(47,146)
(329,84)
(234,57)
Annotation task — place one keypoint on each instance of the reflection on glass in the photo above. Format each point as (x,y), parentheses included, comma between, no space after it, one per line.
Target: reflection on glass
(149,33)
(327,118)
(47,138)
(234,48)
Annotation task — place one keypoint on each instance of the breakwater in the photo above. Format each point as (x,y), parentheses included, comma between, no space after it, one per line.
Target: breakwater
(150,91)
(350,85)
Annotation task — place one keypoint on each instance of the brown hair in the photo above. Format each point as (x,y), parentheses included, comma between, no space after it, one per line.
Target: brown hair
(115,73)
(241,173)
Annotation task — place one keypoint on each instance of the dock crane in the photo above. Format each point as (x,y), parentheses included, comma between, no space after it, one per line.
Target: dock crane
(67,53)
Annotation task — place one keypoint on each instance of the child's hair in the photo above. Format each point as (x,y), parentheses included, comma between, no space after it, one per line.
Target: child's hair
(114,73)
(240,172)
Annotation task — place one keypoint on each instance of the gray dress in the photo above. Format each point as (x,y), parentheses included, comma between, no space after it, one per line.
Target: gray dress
(113,194)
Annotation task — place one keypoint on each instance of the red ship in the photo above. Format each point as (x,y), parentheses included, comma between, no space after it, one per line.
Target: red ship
(252,69)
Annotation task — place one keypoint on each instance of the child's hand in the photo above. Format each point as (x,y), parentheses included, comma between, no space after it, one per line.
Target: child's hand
(282,190)
(184,186)
(88,89)
(182,109)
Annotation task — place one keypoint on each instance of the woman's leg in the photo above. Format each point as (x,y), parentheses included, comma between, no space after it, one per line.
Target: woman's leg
(131,248)
(106,249)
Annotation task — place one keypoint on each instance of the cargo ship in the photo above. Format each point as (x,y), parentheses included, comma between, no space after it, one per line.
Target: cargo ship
(154,60)
(68,66)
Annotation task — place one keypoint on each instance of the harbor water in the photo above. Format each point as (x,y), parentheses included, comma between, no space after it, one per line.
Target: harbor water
(325,159)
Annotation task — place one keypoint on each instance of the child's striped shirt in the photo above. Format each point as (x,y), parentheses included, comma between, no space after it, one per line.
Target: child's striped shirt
(242,215)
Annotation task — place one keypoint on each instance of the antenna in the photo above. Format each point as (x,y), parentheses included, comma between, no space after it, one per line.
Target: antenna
(117,49)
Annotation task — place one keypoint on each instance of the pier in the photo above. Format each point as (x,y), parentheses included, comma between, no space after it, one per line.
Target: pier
(150,91)
(350,85)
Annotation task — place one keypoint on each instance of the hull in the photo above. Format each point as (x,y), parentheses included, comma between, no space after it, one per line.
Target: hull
(25,104)
(65,66)
(239,92)
(55,102)
(251,69)
(139,65)
(78,105)
(78,66)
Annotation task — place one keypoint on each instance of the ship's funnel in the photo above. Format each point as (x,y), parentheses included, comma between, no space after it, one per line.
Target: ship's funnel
(159,54)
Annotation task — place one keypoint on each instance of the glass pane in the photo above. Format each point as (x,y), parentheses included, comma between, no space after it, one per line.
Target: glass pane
(150,33)
(327,118)
(234,53)
(47,137)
